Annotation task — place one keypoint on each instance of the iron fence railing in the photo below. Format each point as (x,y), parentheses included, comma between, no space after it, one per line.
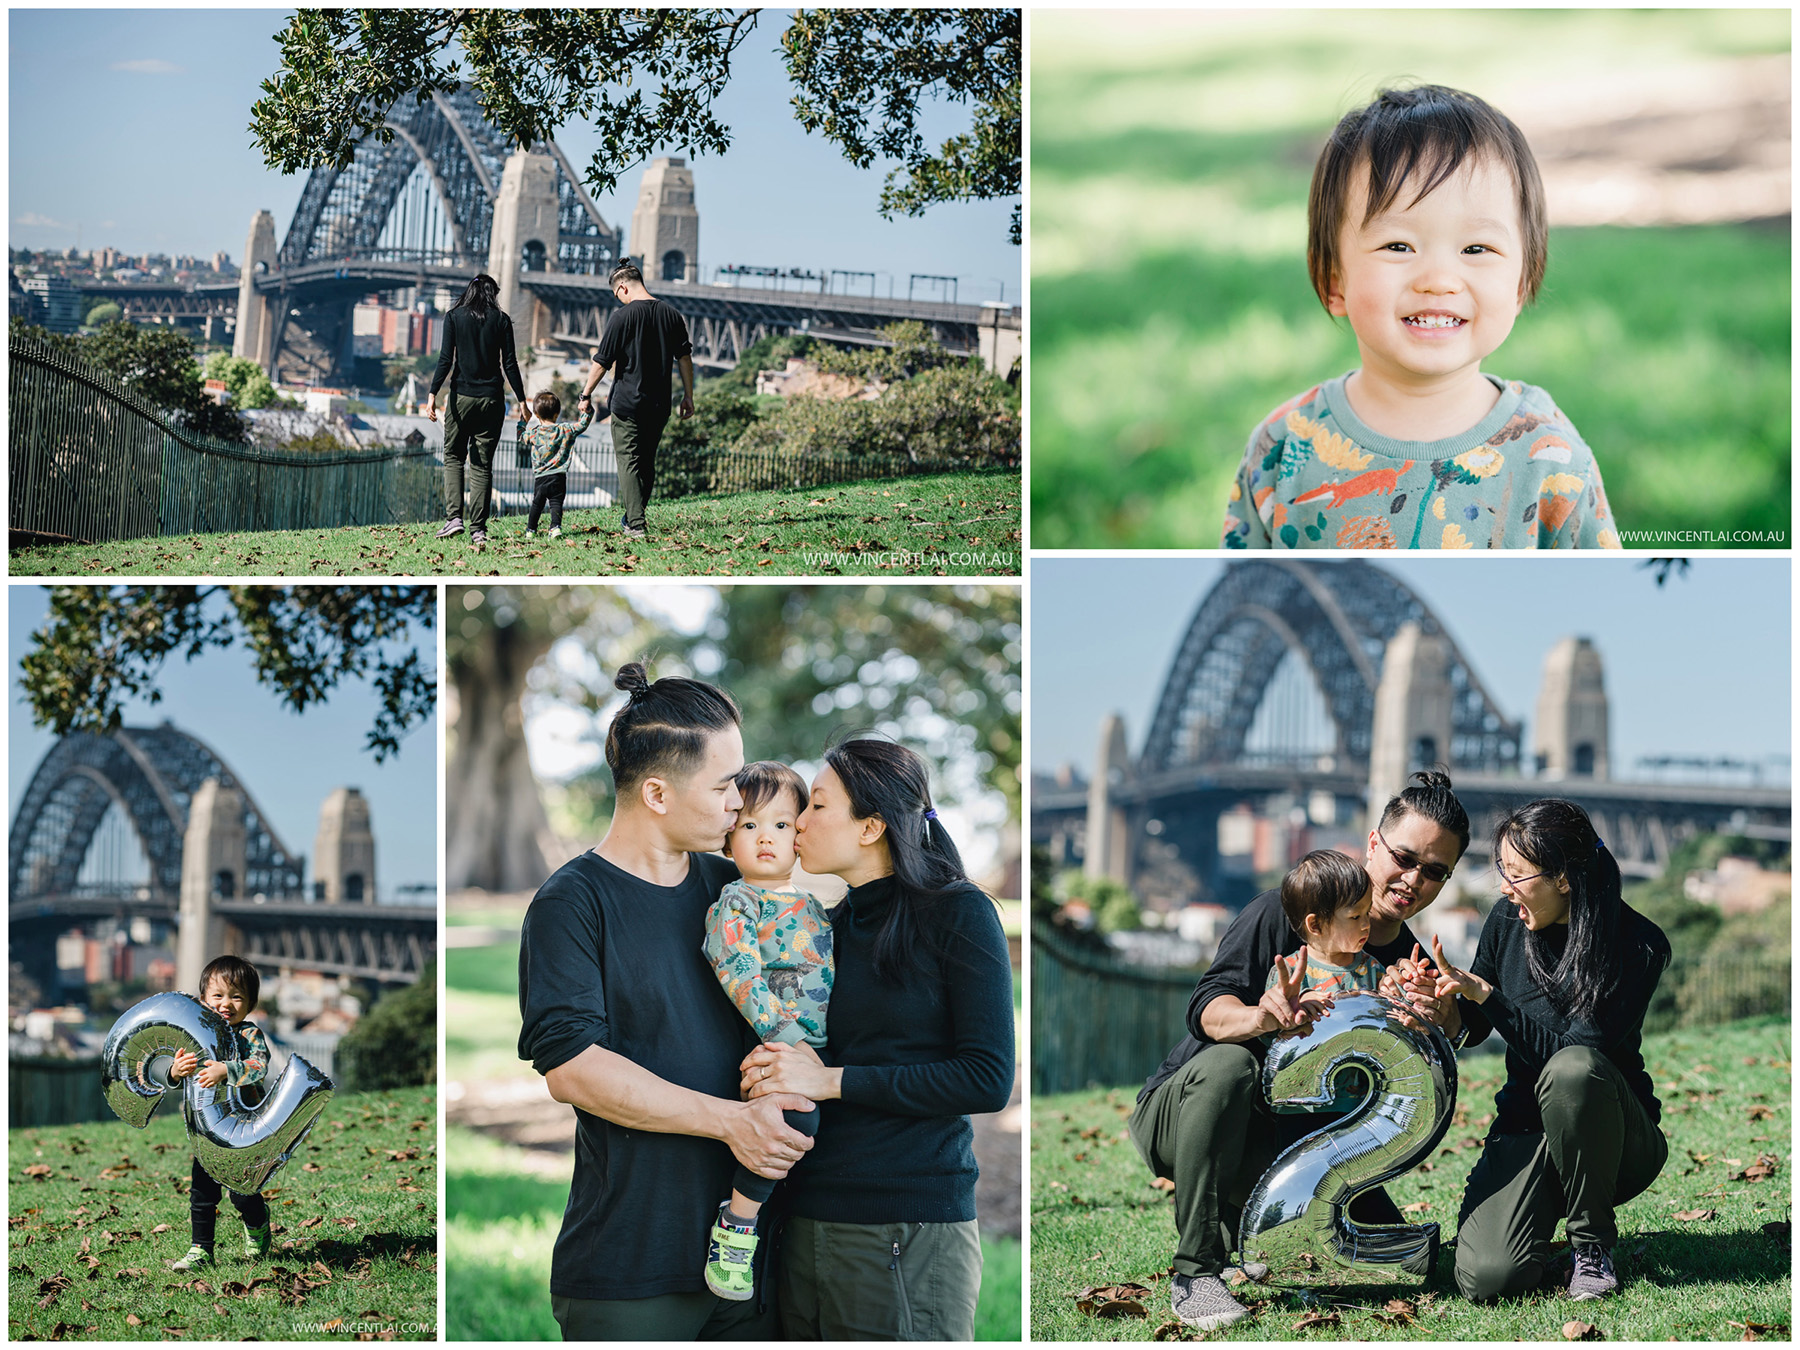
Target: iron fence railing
(54,1092)
(88,459)
(1098,1022)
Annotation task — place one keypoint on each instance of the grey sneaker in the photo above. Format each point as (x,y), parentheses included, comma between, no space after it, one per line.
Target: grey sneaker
(452,526)
(1594,1276)
(477,538)
(1203,1301)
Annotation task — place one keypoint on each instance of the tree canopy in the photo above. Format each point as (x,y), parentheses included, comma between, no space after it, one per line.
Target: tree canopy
(648,79)
(155,363)
(104,645)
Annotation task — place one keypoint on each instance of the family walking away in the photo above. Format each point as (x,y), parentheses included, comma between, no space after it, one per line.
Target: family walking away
(1564,970)
(643,340)
(719,1031)
(1427,230)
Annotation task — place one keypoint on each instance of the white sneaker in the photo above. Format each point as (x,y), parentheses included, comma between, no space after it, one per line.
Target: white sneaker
(556,532)
(532,534)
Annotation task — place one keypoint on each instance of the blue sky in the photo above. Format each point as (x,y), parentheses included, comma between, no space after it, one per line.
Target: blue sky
(129,127)
(289,762)
(1699,667)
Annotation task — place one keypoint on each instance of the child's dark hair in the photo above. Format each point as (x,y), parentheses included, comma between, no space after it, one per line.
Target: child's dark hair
(763,781)
(546,405)
(1322,883)
(1558,839)
(662,731)
(1429,795)
(890,782)
(237,973)
(1431,131)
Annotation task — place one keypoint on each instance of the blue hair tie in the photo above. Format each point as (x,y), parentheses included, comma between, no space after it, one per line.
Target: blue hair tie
(1599,843)
(931,814)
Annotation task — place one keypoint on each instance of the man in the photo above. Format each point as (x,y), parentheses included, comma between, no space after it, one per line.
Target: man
(627,1022)
(640,341)
(1201,1120)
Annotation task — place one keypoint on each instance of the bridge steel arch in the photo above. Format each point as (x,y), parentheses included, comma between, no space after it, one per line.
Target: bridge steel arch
(152,773)
(1337,618)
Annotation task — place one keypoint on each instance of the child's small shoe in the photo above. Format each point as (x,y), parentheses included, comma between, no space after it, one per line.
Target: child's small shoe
(197,1256)
(730,1261)
(256,1242)
(532,534)
(556,532)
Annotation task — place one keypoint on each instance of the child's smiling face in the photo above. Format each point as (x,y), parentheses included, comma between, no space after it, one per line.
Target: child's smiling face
(229,1002)
(1433,287)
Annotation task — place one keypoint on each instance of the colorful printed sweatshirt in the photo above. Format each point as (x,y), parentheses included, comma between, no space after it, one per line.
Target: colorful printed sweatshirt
(249,1062)
(552,443)
(772,952)
(1315,477)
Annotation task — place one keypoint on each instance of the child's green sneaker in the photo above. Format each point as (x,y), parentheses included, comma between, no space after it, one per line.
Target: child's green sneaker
(729,1261)
(197,1256)
(256,1241)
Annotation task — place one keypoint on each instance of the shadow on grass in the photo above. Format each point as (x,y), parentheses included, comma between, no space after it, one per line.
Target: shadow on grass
(342,1253)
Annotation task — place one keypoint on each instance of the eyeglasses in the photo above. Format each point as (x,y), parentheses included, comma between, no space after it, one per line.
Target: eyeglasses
(1513,883)
(1412,862)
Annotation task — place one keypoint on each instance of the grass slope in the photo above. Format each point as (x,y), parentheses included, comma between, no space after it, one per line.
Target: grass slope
(1097,1220)
(354,1218)
(967,524)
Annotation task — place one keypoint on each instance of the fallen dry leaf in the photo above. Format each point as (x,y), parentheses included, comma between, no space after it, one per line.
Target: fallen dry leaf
(1581,1331)
(1174,1330)
(1696,1215)
(1324,1319)
(1163,1184)
(1417,1207)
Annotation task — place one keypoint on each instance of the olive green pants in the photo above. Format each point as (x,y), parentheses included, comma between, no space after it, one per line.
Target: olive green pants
(1599,1148)
(1207,1129)
(471,432)
(634,447)
(879,1282)
(666,1317)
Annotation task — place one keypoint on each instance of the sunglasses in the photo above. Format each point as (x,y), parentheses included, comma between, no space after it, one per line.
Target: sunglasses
(1411,862)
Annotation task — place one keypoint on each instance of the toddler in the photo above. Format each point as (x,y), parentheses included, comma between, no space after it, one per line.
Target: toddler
(770,945)
(1426,228)
(552,445)
(229,986)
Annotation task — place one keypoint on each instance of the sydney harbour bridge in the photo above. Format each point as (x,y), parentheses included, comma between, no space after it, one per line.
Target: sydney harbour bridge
(448,197)
(149,827)
(1318,688)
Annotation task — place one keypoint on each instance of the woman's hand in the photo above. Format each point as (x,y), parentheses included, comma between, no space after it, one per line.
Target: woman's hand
(186,1061)
(431,410)
(789,1068)
(212,1075)
(1451,981)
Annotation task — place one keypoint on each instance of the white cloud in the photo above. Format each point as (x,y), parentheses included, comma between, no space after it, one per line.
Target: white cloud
(33,219)
(149,65)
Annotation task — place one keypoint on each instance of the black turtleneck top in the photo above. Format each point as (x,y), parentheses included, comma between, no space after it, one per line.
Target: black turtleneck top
(918,1058)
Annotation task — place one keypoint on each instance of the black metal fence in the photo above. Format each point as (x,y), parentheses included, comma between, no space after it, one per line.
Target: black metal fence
(54,1092)
(1097,1022)
(88,459)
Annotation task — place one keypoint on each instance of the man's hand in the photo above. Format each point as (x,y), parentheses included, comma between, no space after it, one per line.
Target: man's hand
(431,410)
(762,1141)
(687,406)
(1283,1002)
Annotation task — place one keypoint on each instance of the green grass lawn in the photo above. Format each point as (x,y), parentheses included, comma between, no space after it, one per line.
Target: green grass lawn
(1170,305)
(354,1217)
(1097,1220)
(966,524)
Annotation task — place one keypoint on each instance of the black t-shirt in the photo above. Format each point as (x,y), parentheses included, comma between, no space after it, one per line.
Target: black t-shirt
(642,341)
(608,959)
(1259,934)
(919,1056)
(1534,1030)
(481,351)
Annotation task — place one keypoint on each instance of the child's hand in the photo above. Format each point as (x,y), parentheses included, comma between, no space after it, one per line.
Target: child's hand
(212,1075)
(186,1061)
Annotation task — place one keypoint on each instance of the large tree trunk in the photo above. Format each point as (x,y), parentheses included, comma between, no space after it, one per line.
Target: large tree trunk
(497,835)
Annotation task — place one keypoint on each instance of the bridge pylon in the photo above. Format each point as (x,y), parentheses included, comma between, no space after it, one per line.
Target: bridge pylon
(1109,837)
(1569,737)
(255,335)
(525,236)
(665,223)
(213,857)
(1414,710)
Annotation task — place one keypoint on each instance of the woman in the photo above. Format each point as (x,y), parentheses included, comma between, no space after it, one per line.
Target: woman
(1565,971)
(478,339)
(883,1243)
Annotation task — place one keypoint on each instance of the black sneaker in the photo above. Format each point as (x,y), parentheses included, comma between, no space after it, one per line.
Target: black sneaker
(452,526)
(1203,1302)
(1594,1276)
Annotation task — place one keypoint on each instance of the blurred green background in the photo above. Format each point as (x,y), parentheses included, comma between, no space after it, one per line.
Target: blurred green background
(1170,308)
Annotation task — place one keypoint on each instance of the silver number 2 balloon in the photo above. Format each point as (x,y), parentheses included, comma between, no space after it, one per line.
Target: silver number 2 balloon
(241,1147)
(1295,1220)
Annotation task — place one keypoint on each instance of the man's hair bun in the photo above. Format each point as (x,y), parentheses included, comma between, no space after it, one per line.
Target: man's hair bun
(632,679)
